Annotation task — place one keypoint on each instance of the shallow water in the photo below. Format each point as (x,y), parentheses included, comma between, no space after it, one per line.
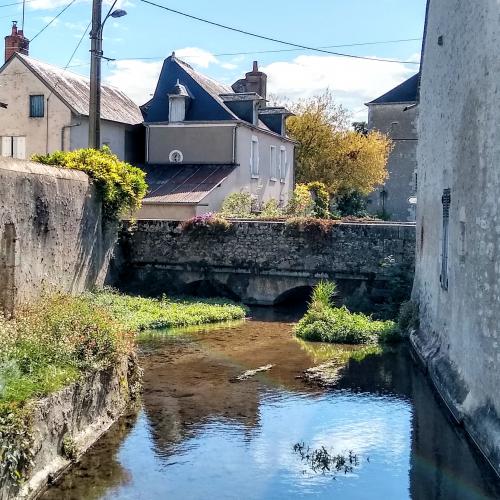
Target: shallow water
(200,435)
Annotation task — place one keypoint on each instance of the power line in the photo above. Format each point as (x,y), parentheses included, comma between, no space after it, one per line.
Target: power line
(15,3)
(53,19)
(279,50)
(263,37)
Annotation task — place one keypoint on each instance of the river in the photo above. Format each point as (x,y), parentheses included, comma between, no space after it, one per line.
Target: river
(200,434)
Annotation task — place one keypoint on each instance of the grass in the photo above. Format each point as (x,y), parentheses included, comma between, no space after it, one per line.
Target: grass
(325,323)
(140,313)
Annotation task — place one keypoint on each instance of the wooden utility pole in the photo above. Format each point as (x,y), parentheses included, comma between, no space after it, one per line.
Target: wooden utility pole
(95,76)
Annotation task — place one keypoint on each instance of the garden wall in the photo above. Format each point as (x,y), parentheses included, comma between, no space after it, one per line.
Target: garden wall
(51,232)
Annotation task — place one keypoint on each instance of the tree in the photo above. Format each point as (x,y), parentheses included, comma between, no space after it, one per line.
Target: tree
(328,152)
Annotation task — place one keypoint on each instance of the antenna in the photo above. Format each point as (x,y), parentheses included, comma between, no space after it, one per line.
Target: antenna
(24,5)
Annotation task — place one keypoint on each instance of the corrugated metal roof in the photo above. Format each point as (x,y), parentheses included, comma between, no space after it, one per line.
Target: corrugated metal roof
(183,183)
(74,90)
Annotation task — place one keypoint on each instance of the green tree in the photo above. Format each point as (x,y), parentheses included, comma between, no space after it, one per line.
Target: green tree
(329,152)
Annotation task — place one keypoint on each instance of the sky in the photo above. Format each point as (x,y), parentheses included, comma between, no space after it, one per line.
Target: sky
(146,35)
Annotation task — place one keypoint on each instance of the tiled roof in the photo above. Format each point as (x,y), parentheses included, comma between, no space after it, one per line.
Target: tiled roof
(183,183)
(405,92)
(74,90)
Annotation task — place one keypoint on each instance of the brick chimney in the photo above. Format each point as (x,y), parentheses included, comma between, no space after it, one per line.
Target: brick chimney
(254,81)
(16,42)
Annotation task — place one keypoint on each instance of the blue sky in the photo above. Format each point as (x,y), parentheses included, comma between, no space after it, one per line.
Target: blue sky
(148,32)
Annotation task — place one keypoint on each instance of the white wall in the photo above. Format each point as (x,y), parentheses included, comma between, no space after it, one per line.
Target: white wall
(17,83)
(459,149)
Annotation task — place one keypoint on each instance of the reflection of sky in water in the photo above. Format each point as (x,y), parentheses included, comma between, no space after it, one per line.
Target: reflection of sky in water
(222,461)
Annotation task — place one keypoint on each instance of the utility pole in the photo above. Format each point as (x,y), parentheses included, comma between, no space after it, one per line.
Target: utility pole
(95,76)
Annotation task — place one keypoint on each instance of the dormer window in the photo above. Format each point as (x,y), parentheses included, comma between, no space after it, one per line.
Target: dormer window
(178,102)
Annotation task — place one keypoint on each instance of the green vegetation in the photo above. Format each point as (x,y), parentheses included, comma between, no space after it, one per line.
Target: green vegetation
(408,319)
(122,186)
(325,323)
(206,224)
(237,205)
(140,313)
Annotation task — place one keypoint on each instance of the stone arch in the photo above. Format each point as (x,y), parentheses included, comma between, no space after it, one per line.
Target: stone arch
(8,270)
(298,294)
(209,288)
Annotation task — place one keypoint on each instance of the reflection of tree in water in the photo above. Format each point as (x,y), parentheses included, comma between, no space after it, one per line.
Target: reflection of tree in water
(98,472)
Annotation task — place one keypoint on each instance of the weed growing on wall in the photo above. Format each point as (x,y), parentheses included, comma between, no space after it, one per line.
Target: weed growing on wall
(122,186)
(325,323)
(206,224)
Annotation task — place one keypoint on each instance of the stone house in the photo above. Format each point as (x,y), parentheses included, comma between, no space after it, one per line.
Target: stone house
(47,108)
(395,114)
(457,283)
(206,140)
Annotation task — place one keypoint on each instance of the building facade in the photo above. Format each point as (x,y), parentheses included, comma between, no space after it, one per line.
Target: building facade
(205,140)
(457,283)
(396,114)
(46,108)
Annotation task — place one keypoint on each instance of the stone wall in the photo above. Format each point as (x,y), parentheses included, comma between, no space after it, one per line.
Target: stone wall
(459,150)
(51,232)
(260,262)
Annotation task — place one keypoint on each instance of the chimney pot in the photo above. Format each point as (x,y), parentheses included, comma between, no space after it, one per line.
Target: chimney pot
(16,42)
(255,66)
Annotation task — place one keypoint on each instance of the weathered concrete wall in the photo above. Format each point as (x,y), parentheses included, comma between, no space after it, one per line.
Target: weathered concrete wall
(51,232)
(81,413)
(459,149)
(259,262)
(399,121)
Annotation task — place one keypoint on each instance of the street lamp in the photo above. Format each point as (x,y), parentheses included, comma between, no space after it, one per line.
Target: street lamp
(95,69)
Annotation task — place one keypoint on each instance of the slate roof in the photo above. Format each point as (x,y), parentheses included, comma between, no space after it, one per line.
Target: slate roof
(403,93)
(74,90)
(183,183)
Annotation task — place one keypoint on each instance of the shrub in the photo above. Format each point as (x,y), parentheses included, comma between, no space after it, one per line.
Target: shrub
(317,228)
(121,185)
(408,318)
(301,203)
(205,224)
(237,205)
(324,323)
(351,203)
(321,200)
(271,210)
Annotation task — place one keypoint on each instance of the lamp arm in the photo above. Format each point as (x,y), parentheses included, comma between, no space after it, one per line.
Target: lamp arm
(108,14)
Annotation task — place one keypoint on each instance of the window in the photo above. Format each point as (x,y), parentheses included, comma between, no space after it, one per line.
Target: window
(14,147)
(37,106)
(273,162)
(282,163)
(254,158)
(446,201)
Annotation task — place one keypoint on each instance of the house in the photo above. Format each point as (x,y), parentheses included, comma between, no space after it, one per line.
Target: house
(395,114)
(457,282)
(206,140)
(48,108)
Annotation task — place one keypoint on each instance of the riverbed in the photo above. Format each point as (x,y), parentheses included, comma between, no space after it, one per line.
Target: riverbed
(203,434)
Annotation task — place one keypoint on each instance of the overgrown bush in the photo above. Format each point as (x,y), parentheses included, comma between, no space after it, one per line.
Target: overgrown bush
(325,323)
(122,186)
(271,210)
(316,228)
(206,224)
(351,203)
(301,204)
(237,205)
(321,200)
(408,318)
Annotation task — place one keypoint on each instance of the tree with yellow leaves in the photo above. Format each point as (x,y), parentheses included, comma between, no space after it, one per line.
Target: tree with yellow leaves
(328,151)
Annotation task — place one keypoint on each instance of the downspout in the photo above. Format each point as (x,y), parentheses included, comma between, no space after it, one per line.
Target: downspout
(234,144)
(63,129)
(47,127)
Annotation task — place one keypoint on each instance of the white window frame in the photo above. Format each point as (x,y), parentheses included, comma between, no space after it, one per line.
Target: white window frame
(283,164)
(254,158)
(273,163)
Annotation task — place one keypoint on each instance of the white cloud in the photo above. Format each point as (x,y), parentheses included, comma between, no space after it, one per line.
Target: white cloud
(352,81)
(53,4)
(49,19)
(136,78)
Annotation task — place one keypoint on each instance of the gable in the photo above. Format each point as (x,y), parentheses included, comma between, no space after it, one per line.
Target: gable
(205,103)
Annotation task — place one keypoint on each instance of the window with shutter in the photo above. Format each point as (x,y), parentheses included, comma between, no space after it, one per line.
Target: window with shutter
(37,106)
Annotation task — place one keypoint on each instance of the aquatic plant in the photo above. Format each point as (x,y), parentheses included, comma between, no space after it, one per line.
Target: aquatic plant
(325,323)
(141,313)
(322,461)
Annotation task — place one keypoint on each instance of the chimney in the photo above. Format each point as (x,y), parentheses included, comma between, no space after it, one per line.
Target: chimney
(16,42)
(254,81)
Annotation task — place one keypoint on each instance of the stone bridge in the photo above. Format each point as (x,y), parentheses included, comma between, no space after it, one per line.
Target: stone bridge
(260,262)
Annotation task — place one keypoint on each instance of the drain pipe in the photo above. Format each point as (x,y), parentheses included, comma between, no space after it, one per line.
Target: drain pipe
(63,129)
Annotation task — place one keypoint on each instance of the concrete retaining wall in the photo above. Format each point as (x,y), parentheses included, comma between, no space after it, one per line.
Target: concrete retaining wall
(51,232)
(81,412)
(459,150)
(259,262)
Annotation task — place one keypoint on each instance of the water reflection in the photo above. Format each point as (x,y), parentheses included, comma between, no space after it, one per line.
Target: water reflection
(200,436)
